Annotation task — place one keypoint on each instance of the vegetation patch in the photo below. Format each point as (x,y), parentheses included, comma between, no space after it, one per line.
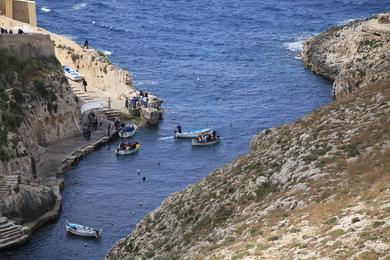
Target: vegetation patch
(19,79)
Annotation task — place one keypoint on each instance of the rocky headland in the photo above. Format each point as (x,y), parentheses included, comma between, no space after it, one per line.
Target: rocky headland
(353,55)
(315,188)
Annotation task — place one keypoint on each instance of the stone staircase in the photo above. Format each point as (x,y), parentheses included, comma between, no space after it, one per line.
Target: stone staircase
(90,96)
(12,234)
(8,181)
(111,114)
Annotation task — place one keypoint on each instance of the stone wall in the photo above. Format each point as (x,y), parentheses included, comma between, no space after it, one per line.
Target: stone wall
(24,46)
(21,10)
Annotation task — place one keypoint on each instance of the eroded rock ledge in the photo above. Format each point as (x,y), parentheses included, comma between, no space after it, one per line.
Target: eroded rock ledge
(353,55)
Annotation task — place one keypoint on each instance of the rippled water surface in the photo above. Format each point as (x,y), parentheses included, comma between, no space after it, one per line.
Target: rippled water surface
(229,64)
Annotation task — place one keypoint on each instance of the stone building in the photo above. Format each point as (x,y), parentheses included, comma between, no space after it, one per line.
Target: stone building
(20,10)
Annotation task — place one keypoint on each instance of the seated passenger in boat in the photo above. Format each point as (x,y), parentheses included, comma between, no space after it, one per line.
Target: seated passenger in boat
(208,138)
(200,138)
(214,134)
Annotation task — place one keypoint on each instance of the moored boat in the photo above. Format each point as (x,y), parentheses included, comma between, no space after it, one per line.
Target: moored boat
(83,231)
(72,73)
(193,134)
(196,142)
(127,148)
(128,131)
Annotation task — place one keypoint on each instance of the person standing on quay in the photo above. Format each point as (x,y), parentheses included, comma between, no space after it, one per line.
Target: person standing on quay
(109,102)
(127,103)
(85,84)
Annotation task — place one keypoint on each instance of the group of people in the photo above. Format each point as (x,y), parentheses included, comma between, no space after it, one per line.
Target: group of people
(10,31)
(92,122)
(208,137)
(87,131)
(128,146)
(140,100)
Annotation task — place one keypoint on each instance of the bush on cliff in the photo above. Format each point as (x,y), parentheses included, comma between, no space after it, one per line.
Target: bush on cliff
(18,80)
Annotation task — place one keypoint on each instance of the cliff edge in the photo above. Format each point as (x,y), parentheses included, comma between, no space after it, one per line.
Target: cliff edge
(315,188)
(37,107)
(353,55)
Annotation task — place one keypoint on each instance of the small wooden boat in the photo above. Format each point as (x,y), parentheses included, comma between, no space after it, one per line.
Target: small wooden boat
(128,131)
(83,231)
(72,73)
(125,149)
(196,142)
(193,134)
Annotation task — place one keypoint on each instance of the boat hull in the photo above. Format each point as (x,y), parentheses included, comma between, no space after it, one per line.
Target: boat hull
(124,134)
(82,231)
(196,143)
(72,74)
(126,152)
(193,134)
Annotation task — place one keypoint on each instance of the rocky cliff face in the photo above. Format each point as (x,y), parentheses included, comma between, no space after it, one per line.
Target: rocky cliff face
(318,187)
(37,107)
(29,203)
(353,55)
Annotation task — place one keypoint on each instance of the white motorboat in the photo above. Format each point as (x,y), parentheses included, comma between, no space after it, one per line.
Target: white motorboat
(83,231)
(125,149)
(193,134)
(128,131)
(72,73)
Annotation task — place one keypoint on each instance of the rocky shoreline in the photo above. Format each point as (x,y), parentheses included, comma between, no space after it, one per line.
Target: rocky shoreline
(353,55)
(314,188)
(33,163)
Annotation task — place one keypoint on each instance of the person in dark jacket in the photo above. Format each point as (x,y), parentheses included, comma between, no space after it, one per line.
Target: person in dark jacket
(85,84)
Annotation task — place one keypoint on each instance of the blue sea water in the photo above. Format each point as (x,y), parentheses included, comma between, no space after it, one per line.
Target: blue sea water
(233,65)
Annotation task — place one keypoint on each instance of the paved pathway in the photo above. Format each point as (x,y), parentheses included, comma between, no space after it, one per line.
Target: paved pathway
(51,161)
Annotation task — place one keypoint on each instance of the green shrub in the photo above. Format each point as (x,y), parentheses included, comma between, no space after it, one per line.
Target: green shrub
(18,96)
(3,155)
(378,223)
(40,89)
(3,136)
(352,150)
(331,221)
(75,57)
(273,238)
(11,121)
(149,254)
(354,220)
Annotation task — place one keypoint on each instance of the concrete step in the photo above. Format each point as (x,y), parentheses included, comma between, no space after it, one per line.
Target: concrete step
(10,227)
(6,225)
(3,220)
(13,242)
(11,233)
(13,238)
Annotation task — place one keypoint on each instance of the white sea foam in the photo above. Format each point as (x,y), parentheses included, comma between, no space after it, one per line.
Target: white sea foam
(347,21)
(108,53)
(294,46)
(79,6)
(165,138)
(297,46)
(145,83)
(45,9)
